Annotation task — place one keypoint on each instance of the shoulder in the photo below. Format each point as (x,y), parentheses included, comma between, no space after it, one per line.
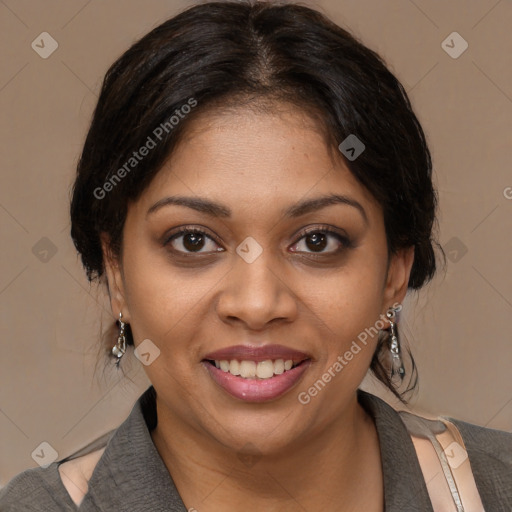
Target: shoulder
(486,444)
(30,489)
(43,488)
(490,455)
(488,450)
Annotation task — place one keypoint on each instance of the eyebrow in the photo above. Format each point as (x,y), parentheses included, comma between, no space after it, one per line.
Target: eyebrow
(214,209)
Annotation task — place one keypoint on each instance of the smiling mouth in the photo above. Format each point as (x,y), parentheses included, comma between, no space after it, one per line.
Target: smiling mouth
(256,370)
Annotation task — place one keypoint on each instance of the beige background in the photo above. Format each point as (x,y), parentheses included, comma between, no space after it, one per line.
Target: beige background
(458,327)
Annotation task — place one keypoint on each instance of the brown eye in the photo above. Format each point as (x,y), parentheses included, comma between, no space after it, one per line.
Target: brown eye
(316,241)
(321,242)
(192,241)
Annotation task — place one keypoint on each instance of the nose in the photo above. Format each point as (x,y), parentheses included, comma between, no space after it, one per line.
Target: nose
(256,294)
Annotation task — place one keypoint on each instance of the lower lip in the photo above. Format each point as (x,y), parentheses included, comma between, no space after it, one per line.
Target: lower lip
(257,390)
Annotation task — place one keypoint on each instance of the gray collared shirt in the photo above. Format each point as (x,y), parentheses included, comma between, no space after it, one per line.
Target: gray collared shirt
(132,477)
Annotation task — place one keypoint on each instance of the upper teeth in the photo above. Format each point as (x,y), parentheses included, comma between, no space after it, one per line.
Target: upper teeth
(250,369)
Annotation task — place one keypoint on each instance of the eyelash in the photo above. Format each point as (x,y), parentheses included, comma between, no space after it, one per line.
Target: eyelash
(345,242)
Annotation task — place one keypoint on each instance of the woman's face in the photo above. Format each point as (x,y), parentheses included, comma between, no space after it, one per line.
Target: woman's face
(252,277)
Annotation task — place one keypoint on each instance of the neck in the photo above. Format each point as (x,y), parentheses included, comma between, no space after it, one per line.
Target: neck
(337,467)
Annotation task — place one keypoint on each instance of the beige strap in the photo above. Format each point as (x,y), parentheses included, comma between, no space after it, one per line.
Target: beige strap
(446,469)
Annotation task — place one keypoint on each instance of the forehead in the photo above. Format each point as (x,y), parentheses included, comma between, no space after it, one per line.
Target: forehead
(246,157)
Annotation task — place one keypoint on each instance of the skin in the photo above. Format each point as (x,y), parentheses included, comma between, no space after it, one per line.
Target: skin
(76,473)
(257,164)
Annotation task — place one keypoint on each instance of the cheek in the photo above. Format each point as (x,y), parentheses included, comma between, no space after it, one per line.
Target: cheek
(349,302)
(162,302)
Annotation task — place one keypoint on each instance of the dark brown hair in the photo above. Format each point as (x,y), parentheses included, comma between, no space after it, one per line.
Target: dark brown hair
(226,53)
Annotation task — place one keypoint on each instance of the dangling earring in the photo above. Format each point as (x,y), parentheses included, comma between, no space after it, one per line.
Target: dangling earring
(397,365)
(120,347)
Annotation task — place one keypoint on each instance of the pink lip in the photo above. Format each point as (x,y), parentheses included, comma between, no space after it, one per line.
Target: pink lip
(257,390)
(257,353)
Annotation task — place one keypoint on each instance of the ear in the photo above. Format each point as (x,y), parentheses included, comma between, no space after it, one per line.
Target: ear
(398,277)
(115,281)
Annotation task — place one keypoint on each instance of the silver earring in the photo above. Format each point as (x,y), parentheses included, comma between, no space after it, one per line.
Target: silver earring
(397,365)
(120,347)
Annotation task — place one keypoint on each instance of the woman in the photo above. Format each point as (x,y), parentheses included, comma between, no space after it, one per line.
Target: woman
(256,192)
